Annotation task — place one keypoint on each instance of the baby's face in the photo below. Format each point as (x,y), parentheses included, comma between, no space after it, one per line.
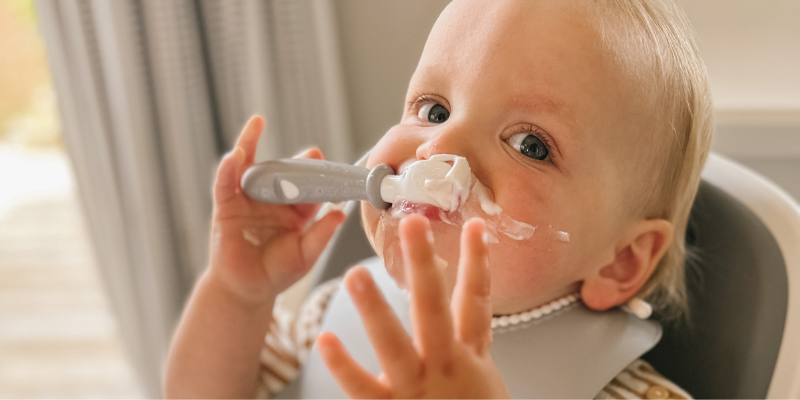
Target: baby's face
(524,91)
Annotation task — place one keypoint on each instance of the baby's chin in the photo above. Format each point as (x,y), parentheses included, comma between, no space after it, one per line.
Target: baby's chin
(381,228)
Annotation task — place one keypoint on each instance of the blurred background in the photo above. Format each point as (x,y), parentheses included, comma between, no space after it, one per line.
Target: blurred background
(113,116)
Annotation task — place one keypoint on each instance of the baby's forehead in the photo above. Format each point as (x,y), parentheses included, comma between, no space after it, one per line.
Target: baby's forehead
(513,43)
(512,22)
(525,55)
(538,62)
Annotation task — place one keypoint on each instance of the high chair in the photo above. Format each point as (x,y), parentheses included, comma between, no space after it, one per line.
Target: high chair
(742,337)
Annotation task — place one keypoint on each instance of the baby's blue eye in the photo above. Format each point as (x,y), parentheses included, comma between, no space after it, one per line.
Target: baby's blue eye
(529,145)
(433,112)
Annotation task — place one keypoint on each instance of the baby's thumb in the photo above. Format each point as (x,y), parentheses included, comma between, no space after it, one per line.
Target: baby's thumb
(318,235)
(313,152)
(226,185)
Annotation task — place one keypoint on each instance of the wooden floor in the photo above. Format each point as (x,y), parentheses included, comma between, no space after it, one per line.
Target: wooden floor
(57,336)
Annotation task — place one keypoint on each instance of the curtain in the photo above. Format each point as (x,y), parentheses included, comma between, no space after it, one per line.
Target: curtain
(151,94)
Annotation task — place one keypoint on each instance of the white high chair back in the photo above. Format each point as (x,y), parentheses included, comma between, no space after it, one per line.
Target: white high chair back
(744,336)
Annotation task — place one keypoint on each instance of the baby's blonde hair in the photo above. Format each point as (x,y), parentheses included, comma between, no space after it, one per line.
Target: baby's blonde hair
(652,42)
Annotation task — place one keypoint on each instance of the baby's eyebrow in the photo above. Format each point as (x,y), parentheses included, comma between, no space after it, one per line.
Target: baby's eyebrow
(541,104)
(544,104)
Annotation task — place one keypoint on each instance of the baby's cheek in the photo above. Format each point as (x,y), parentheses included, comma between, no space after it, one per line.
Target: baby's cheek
(381,231)
(369,220)
(524,273)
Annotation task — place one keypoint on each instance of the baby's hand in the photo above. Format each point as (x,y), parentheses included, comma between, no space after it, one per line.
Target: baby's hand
(449,355)
(258,250)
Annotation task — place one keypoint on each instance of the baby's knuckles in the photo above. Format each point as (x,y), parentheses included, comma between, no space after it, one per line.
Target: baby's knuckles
(466,375)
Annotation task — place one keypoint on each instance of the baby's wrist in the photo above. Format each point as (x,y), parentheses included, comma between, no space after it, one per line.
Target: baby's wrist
(212,282)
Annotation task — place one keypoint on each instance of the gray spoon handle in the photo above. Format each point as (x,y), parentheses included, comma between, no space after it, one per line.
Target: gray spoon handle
(302,181)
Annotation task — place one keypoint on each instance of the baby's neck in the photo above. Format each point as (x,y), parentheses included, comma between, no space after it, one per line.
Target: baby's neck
(536,312)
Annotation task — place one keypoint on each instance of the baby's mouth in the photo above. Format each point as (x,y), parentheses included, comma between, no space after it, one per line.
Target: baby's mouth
(405,207)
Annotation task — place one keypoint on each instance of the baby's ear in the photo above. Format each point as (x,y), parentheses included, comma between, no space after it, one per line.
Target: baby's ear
(635,258)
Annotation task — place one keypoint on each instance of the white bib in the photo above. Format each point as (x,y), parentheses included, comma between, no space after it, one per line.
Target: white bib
(571,353)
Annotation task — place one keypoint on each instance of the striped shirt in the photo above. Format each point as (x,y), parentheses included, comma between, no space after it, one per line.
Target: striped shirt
(289,340)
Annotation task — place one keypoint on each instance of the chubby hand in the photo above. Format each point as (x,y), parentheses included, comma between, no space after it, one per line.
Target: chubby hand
(449,355)
(258,250)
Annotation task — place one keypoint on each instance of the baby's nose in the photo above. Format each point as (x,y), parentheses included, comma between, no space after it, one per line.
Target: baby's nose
(452,137)
(423,150)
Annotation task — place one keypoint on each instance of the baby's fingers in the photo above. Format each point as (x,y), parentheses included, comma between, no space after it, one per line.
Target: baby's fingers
(472,305)
(430,312)
(233,164)
(318,235)
(226,185)
(355,381)
(308,210)
(393,346)
(248,138)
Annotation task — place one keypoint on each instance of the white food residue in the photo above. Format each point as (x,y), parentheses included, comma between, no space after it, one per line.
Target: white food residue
(250,236)
(560,235)
(487,205)
(446,181)
(433,181)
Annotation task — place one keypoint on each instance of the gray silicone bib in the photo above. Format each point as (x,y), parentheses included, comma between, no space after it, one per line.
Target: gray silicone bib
(571,353)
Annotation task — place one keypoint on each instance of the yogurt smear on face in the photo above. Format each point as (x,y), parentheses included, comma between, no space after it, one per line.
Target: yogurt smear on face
(446,181)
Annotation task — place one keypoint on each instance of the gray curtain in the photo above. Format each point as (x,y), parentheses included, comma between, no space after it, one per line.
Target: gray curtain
(151,93)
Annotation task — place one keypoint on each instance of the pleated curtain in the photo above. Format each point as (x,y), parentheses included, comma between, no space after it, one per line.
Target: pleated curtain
(151,94)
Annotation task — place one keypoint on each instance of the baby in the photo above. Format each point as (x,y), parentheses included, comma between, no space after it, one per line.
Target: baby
(588,122)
